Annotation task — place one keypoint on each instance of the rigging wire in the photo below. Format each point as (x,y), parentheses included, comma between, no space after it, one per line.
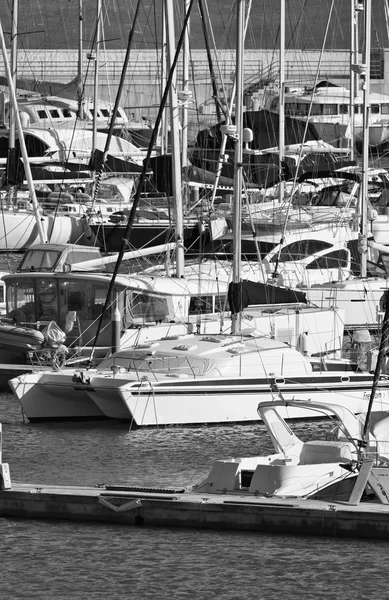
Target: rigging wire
(289,206)
(144,170)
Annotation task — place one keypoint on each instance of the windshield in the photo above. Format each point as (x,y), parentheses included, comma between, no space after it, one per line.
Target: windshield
(178,365)
(39,260)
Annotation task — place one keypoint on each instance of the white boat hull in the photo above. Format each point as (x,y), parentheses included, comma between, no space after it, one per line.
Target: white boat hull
(227,402)
(380,229)
(361,299)
(19,230)
(41,398)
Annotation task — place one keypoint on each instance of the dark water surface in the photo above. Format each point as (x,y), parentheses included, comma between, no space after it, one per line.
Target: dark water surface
(47,560)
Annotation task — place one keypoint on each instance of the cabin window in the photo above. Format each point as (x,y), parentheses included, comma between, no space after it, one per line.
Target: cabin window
(54,113)
(87,299)
(136,306)
(330,109)
(201,305)
(221,304)
(303,109)
(96,296)
(76,256)
(40,260)
(146,308)
(47,296)
(42,114)
(189,365)
(332,260)
(291,108)
(377,64)
(343,109)
(21,302)
(105,112)
(300,250)
(385,109)
(374,109)
(316,109)
(67,113)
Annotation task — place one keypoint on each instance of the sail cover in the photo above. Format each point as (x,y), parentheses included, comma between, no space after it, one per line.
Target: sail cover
(248,293)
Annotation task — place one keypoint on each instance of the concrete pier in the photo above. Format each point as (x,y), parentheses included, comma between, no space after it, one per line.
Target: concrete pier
(178,508)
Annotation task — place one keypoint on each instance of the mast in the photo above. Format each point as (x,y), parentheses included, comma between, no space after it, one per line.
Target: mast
(22,142)
(14,66)
(80,92)
(100,158)
(164,132)
(365,77)
(238,156)
(142,179)
(210,61)
(175,141)
(96,74)
(281,110)
(185,85)
(228,117)
(353,61)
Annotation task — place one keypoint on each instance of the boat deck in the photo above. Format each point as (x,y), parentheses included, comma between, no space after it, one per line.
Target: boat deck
(179,508)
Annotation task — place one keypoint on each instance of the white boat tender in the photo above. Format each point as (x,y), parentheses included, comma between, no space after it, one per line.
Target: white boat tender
(324,469)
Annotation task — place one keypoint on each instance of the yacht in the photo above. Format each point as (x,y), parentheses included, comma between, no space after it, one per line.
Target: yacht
(55,112)
(327,107)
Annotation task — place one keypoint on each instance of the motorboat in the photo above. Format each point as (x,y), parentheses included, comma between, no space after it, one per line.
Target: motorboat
(322,469)
(192,380)
(327,107)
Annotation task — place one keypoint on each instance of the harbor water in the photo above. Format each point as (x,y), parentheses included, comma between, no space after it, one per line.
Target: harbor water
(47,560)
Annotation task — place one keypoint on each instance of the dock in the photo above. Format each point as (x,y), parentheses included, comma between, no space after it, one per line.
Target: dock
(142,507)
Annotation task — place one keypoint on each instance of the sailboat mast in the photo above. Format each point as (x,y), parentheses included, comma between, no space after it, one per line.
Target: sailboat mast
(142,179)
(22,142)
(80,94)
(185,86)
(164,124)
(96,74)
(238,155)
(175,142)
(353,61)
(14,66)
(281,125)
(365,77)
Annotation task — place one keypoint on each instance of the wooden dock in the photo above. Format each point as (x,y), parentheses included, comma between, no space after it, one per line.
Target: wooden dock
(178,508)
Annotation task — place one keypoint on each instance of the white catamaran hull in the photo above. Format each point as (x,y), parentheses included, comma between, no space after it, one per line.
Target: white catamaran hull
(52,401)
(152,404)
(181,400)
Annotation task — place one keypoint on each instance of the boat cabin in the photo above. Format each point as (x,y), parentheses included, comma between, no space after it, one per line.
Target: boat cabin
(326,101)
(53,282)
(55,257)
(51,111)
